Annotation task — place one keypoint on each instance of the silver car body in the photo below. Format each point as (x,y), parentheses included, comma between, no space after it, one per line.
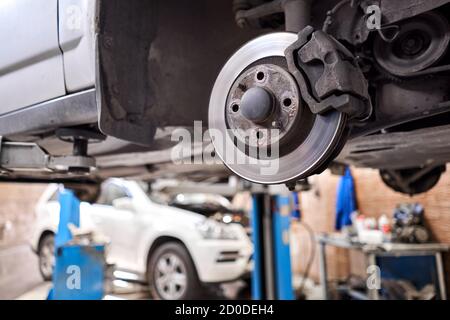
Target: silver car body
(39,66)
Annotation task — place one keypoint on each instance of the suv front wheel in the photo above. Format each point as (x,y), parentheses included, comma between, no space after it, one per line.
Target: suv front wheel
(172,274)
(46,254)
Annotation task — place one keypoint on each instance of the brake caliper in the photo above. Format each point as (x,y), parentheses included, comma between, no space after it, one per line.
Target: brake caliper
(328,75)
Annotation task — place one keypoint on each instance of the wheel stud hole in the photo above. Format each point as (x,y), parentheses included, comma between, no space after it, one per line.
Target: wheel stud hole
(287,102)
(260,76)
(235,108)
(259,135)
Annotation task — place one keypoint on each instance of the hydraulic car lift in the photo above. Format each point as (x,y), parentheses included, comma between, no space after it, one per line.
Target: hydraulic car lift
(23,156)
(270,221)
(80,268)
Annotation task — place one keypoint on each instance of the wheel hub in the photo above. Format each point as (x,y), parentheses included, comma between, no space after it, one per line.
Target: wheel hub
(264,97)
(257,105)
(260,126)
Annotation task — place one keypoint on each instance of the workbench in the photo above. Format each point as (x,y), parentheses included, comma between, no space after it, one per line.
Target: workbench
(373,253)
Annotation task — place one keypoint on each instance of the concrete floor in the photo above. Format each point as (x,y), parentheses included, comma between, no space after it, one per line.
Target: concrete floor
(40,292)
(122,291)
(131,291)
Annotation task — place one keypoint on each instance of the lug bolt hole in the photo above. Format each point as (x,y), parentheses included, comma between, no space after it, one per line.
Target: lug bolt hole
(259,135)
(235,108)
(260,76)
(287,102)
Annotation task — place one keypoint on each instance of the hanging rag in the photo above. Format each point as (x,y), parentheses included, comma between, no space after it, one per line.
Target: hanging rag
(346,200)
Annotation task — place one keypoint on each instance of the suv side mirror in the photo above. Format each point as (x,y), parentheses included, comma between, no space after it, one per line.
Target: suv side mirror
(124,204)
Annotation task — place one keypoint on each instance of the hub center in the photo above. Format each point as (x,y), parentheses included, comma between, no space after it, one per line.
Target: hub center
(257,104)
(262,105)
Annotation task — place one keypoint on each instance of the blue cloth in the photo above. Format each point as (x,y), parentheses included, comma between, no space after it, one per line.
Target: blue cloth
(346,200)
(296,212)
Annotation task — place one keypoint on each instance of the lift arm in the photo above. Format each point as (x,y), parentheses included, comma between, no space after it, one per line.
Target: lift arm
(21,156)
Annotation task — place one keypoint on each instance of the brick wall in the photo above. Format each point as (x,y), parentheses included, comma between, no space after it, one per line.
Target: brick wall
(17,203)
(374,199)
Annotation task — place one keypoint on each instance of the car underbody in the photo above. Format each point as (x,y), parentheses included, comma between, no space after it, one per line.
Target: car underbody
(363,83)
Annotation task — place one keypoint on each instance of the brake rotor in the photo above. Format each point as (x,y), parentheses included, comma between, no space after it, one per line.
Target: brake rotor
(256,105)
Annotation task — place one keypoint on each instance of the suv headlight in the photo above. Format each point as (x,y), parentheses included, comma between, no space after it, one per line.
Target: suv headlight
(211,229)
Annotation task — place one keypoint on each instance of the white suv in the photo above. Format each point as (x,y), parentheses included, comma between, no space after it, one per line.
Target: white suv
(176,251)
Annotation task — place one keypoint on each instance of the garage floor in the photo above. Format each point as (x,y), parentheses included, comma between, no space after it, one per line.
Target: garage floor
(40,292)
(123,290)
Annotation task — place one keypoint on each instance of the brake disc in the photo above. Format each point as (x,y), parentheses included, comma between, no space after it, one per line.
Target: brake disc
(256,105)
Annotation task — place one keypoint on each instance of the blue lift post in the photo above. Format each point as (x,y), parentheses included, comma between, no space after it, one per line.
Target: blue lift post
(272,275)
(281,226)
(258,291)
(69,213)
(80,269)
